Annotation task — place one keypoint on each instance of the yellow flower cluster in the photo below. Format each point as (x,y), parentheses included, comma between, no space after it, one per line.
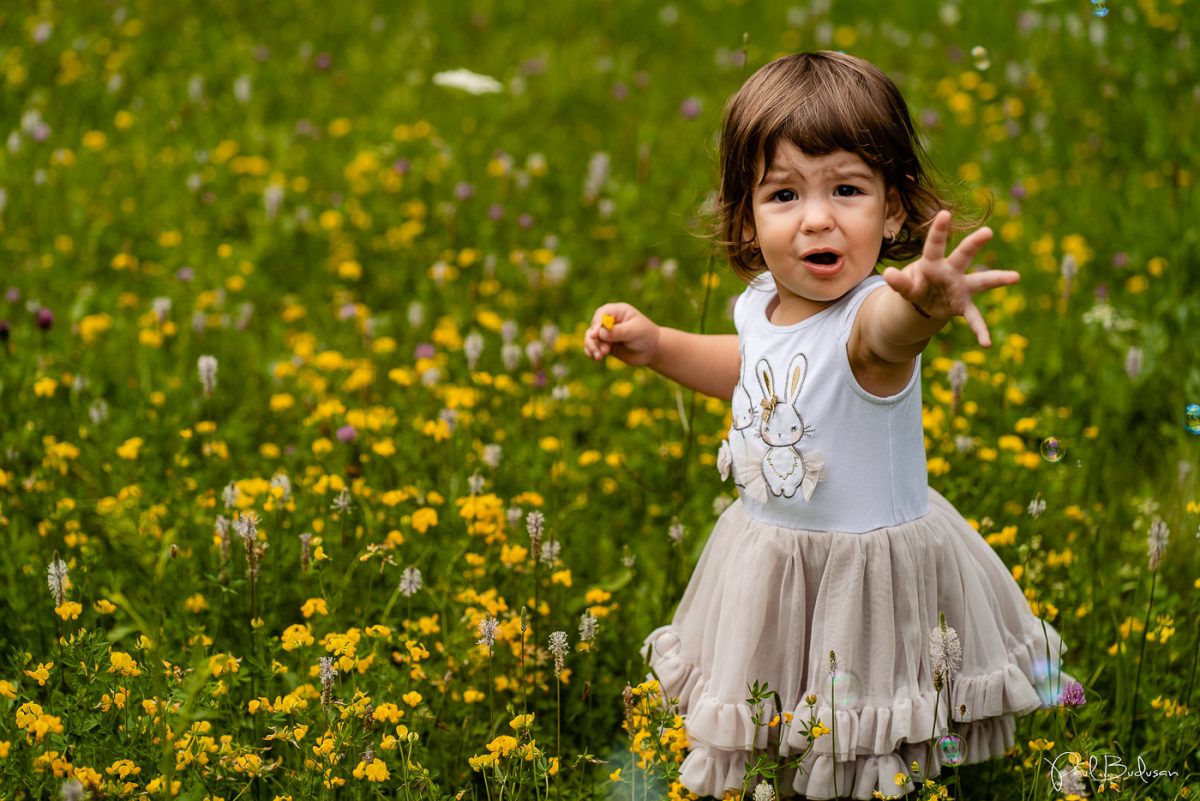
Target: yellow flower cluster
(36,723)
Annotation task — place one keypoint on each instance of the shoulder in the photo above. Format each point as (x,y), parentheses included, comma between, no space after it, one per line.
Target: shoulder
(851,303)
(753,298)
(878,377)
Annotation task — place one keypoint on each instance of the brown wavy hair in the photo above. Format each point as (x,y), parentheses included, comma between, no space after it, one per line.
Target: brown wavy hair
(823,102)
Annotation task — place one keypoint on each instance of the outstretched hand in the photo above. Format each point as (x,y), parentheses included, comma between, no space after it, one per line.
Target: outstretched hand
(940,285)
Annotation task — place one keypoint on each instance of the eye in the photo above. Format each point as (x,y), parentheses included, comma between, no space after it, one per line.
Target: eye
(853,190)
(784,195)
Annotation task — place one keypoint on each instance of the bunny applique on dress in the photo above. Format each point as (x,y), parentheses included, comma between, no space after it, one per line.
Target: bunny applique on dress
(837,543)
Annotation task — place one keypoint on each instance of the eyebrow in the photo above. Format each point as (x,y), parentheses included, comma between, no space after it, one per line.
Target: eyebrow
(780,174)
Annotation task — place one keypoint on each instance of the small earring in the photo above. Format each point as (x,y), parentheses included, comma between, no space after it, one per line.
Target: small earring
(891,236)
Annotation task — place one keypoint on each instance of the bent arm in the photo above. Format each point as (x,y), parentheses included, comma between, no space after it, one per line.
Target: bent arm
(707,363)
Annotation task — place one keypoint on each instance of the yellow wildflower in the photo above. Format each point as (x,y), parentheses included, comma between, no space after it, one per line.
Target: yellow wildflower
(314,606)
(68,610)
(41,674)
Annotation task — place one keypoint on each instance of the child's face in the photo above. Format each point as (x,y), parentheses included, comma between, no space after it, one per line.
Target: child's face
(809,204)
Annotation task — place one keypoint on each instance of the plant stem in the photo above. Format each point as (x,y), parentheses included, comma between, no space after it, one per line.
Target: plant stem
(1141,658)
(833,732)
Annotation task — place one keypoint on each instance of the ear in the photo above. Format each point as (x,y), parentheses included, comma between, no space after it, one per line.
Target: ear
(894,214)
(749,234)
(766,377)
(797,371)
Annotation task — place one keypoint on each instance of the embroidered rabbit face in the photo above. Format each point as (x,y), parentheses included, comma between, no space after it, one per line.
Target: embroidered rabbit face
(781,422)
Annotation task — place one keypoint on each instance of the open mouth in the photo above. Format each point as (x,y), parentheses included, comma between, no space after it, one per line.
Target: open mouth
(825,258)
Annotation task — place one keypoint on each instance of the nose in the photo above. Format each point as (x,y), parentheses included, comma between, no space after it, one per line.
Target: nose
(818,216)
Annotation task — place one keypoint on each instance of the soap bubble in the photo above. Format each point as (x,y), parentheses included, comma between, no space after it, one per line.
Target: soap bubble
(1048,682)
(951,749)
(1100,11)
(982,60)
(1191,418)
(841,691)
(667,644)
(1053,450)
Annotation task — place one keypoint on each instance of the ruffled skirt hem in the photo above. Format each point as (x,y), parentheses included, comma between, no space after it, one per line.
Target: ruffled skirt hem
(769,603)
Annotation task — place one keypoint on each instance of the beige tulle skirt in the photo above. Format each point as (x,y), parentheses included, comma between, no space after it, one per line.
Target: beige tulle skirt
(768,603)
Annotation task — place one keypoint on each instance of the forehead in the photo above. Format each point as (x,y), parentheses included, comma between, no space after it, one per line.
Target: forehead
(790,160)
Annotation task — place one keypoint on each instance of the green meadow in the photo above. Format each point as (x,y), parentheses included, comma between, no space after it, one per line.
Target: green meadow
(308,489)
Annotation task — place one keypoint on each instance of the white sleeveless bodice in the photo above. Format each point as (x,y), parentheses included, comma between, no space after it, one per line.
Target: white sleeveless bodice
(824,454)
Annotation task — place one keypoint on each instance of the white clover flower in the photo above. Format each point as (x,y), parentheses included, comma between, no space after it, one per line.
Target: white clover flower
(558,647)
(491,455)
(487,631)
(98,412)
(162,307)
(557,269)
(534,523)
(1036,507)
(597,174)
(410,581)
(56,578)
(72,790)
(587,626)
(508,331)
(1156,542)
(958,377)
(207,367)
(327,674)
(469,82)
(246,526)
(242,88)
(534,351)
(764,792)
(510,354)
(416,313)
(272,199)
(512,516)
(944,648)
(1133,361)
(472,347)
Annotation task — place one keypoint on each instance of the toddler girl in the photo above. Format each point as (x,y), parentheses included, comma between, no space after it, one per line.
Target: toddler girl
(826,576)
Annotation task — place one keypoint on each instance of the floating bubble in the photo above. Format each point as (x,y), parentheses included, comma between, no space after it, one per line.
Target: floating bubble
(951,749)
(667,644)
(1052,449)
(1048,681)
(982,59)
(1100,11)
(841,691)
(1191,418)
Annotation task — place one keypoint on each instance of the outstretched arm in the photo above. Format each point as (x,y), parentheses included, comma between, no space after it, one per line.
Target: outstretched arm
(894,325)
(708,363)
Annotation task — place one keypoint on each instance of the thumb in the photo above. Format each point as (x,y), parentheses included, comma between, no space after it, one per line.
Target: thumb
(897,280)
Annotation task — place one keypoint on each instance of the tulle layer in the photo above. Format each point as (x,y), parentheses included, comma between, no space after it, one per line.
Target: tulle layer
(768,603)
